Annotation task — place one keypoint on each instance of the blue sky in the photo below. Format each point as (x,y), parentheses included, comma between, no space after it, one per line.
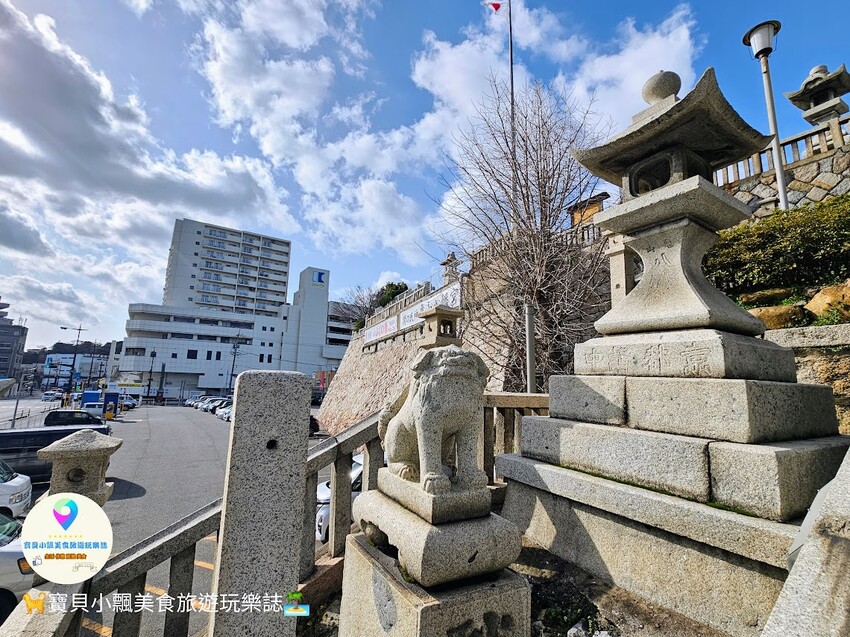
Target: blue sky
(322,121)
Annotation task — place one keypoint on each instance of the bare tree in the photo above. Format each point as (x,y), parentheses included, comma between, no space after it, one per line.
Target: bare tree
(517,218)
(360,302)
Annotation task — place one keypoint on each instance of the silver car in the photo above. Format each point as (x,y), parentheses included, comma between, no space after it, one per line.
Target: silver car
(323,498)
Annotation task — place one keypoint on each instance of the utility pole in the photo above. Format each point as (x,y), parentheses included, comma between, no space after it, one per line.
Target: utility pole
(234,352)
(150,375)
(71,383)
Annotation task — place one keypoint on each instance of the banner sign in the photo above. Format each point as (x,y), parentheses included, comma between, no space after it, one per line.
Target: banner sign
(381,330)
(449,295)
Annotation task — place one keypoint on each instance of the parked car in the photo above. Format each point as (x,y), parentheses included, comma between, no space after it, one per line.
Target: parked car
(71,417)
(200,404)
(191,402)
(19,447)
(50,396)
(224,412)
(15,492)
(95,409)
(323,498)
(216,404)
(127,402)
(16,574)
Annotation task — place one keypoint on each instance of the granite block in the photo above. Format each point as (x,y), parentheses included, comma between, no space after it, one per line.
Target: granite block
(437,554)
(377,601)
(756,539)
(453,505)
(816,599)
(747,411)
(776,481)
(728,592)
(686,354)
(600,399)
(664,462)
(266,464)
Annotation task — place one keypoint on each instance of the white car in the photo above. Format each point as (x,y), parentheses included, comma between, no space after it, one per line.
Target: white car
(50,396)
(95,409)
(15,492)
(127,402)
(323,498)
(15,572)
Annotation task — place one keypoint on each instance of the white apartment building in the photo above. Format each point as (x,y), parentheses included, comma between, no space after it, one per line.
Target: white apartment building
(202,337)
(220,268)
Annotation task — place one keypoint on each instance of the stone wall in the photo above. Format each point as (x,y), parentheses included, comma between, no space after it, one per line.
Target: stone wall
(823,356)
(808,181)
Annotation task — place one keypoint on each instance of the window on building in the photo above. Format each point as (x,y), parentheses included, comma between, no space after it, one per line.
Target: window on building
(193,276)
(173,354)
(270,358)
(192,354)
(263,344)
(264,328)
(194,265)
(209,355)
(191,299)
(272,329)
(196,254)
(198,231)
(261,358)
(218,356)
(197,243)
(191,287)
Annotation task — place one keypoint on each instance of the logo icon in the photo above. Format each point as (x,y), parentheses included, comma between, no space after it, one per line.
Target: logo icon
(35,603)
(295,608)
(319,277)
(65,511)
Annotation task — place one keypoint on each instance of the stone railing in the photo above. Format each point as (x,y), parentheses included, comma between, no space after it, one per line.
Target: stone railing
(127,572)
(399,303)
(817,141)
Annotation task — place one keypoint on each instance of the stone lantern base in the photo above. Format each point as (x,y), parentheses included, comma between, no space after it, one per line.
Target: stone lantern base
(378,601)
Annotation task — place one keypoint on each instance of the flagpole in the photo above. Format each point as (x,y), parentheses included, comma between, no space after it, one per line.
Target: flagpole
(513,109)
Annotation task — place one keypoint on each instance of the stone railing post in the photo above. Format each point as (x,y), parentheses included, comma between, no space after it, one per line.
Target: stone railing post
(79,464)
(259,547)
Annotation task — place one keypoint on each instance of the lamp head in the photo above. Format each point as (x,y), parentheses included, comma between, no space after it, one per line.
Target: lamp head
(760,37)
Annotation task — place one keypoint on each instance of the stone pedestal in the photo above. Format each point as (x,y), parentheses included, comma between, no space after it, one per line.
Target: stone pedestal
(378,601)
(79,464)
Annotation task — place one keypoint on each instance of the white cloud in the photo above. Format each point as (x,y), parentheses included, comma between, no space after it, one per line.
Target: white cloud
(615,79)
(388,276)
(139,7)
(300,24)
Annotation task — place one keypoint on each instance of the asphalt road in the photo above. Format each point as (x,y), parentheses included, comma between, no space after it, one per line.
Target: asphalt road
(30,412)
(172,463)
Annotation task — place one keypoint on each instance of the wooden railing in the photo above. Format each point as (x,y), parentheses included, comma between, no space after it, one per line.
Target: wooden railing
(127,572)
(817,141)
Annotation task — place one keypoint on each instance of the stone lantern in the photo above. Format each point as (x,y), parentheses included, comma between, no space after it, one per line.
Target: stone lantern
(820,95)
(440,328)
(79,464)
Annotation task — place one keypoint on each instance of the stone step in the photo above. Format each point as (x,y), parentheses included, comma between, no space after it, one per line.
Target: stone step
(745,411)
(777,481)
(665,462)
(756,539)
(699,353)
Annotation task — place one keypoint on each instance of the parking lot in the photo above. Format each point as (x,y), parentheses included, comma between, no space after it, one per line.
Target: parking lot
(172,463)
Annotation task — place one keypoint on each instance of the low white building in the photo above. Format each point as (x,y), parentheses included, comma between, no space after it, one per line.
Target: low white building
(179,349)
(88,368)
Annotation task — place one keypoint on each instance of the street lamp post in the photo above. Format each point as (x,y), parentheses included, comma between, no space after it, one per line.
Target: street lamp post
(150,375)
(760,40)
(74,359)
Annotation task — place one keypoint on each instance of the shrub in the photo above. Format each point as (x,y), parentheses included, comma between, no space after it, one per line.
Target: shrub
(806,246)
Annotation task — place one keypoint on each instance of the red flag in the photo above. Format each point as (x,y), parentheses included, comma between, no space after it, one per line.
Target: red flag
(496,5)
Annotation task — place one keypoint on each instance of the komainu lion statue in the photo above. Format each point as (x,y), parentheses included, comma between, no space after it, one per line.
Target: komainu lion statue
(434,423)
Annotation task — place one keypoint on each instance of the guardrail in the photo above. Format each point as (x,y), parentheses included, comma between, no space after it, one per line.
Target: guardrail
(814,142)
(126,573)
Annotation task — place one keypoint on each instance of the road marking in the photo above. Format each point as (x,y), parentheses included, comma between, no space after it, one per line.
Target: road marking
(205,565)
(98,629)
(155,590)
